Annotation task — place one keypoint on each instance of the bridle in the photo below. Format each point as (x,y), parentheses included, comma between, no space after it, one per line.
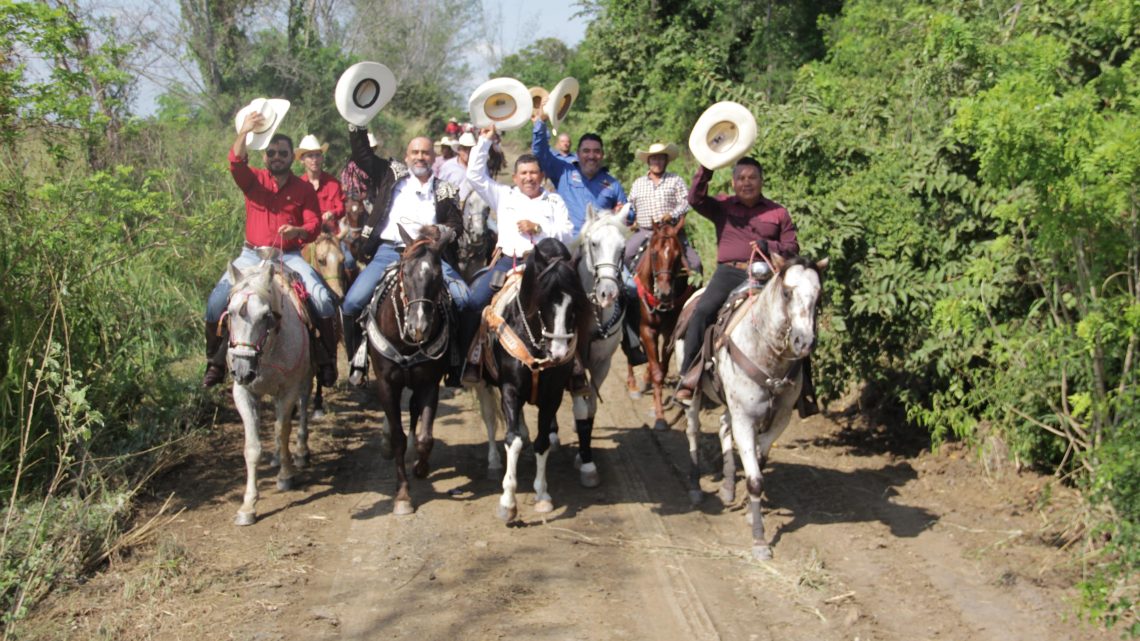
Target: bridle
(243,349)
(432,305)
(662,305)
(546,334)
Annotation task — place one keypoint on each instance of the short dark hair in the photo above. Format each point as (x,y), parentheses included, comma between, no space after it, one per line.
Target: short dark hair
(279,137)
(591,136)
(749,162)
(527,159)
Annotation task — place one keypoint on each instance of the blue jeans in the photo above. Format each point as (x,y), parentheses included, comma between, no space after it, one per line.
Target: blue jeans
(360,294)
(481,295)
(349,259)
(319,294)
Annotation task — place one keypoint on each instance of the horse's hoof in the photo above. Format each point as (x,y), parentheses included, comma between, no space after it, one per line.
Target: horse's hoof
(762,552)
(285,485)
(695,497)
(494,473)
(245,518)
(660,425)
(507,514)
(403,508)
(555,442)
(301,461)
(727,495)
(588,475)
(421,470)
(634,394)
(318,415)
(544,506)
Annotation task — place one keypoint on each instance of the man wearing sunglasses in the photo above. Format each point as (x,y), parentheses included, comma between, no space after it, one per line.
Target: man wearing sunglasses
(280,212)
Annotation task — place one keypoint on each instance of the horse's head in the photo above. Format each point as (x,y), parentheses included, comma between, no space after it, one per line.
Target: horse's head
(794,299)
(475,213)
(254,313)
(602,244)
(662,265)
(325,255)
(420,284)
(355,210)
(551,294)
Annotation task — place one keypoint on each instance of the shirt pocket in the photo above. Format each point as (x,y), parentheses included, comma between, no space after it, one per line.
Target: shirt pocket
(765,229)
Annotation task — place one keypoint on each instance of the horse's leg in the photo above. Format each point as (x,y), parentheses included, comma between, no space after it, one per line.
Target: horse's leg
(508,509)
(301,458)
(282,430)
(488,408)
(585,409)
(318,403)
(743,432)
(781,417)
(390,400)
(693,432)
(550,397)
(247,406)
(728,462)
(424,439)
(649,339)
(631,386)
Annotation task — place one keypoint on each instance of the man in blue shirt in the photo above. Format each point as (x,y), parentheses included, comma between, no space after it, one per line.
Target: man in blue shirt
(562,148)
(578,182)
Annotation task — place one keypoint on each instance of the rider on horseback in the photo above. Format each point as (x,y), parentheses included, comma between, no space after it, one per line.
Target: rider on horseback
(280,212)
(405,194)
(746,223)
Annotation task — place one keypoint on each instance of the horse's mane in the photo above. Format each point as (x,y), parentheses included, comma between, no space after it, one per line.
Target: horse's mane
(428,241)
(550,271)
(603,218)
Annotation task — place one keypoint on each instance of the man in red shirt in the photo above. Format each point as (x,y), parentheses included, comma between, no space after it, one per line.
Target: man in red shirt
(330,197)
(744,222)
(281,211)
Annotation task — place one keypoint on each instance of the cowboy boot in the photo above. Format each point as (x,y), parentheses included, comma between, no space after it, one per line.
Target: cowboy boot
(473,372)
(353,334)
(689,381)
(216,348)
(454,357)
(806,403)
(578,384)
(630,342)
(325,350)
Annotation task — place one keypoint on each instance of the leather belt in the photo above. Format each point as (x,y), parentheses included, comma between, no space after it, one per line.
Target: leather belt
(738,264)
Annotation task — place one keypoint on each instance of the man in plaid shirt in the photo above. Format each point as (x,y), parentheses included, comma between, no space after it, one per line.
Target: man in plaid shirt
(658,196)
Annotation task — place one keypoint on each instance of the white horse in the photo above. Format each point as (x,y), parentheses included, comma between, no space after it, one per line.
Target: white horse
(268,354)
(759,364)
(600,246)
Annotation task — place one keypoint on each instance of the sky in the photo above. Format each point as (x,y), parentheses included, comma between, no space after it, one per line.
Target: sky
(522,22)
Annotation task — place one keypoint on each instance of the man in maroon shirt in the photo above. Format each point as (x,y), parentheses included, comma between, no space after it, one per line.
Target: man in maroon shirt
(744,222)
(281,211)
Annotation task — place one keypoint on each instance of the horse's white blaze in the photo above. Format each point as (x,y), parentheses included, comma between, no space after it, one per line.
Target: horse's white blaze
(804,284)
(560,347)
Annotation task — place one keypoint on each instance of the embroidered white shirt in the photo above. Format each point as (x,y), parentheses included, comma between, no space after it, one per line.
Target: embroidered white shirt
(413,206)
(547,210)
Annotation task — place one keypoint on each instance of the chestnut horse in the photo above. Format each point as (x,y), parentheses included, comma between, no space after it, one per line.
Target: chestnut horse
(662,289)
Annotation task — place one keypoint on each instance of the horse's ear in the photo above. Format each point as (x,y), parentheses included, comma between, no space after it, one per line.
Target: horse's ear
(777,262)
(821,264)
(446,235)
(235,274)
(404,234)
(591,213)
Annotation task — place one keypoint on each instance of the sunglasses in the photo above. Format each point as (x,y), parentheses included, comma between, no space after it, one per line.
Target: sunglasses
(270,153)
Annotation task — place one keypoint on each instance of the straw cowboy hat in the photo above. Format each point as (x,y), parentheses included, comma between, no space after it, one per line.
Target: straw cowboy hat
(724,133)
(502,102)
(537,95)
(273,110)
(363,90)
(309,143)
(561,97)
(669,150)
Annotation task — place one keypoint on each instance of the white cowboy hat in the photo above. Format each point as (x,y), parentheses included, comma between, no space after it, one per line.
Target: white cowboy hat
(445,141)
(309,143)
(561,97)
(502,102)
(537,95)
(466,140)
(669,150)
(724,133)
(273,110)
(363,90)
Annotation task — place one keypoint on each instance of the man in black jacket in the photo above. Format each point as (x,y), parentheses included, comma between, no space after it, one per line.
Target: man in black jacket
(406,194)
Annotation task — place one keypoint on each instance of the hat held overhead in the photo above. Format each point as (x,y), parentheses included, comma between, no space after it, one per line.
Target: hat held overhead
(272,111)
(504,103)
(724,133)
(561,98)
(363,90)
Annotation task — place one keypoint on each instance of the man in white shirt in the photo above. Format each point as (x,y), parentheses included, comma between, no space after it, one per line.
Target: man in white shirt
(527,213)
(455,170)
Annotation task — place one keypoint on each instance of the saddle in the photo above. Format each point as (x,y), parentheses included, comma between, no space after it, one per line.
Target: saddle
(730,314)
(291,282)
(429,352)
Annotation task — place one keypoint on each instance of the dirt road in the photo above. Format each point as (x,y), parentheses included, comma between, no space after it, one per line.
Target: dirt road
(871,542)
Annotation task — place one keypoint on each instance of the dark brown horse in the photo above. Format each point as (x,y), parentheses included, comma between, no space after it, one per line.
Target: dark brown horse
(408,337)
(662,289)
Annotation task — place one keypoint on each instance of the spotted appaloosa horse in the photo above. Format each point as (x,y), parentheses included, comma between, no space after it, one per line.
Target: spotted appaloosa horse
(268,354)
(759,364)
(662,289)
(408,337)
(600,246)
(543,325)
(477,242)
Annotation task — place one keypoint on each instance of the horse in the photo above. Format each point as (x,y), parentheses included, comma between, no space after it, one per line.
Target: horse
(662,289)
(600,246)
(759,363)
(477,242)
(268,354)
(355,212)
(535,328)
(327,258)
(408,334)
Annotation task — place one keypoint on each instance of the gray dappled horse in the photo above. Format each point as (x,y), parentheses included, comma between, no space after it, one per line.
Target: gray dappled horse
(268,354)
(759,365)
(477,242)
